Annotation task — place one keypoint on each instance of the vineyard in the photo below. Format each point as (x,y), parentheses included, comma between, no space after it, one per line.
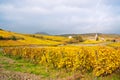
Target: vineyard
(8,38)
(61,56)
(99,60)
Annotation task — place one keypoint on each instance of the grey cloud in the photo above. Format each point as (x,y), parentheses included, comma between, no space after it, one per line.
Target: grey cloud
(60,16)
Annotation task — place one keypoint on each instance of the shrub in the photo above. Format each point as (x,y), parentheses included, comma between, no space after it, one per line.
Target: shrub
(13,38)
(1,38)
(1,29)
(79,38)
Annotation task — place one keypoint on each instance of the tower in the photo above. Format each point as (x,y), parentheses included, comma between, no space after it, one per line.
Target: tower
(96,37)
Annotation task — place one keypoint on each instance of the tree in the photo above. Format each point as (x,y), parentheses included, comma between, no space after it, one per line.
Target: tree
(75,39)
(1,38)
(1,29)
(78,38)
(13,38)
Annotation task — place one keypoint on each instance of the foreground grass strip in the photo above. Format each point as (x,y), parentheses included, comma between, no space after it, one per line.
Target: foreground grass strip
(21,65)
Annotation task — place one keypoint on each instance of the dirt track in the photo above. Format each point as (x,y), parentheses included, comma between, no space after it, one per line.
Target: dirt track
(10,75)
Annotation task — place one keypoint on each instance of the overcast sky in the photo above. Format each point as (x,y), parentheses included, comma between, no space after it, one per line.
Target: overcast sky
(60,16)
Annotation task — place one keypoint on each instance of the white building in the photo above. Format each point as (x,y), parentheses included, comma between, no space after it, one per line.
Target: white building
(69,37)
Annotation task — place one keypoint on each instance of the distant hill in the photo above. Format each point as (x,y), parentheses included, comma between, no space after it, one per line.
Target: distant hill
(90,37)
(93,34)
(42,33)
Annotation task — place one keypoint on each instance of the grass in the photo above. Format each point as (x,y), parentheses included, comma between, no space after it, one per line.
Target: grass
(20,65)
(92,42)
(115,44)
(114,76)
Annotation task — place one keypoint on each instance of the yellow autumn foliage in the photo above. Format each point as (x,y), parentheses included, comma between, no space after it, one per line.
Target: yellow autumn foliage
(100,60)
(27,40)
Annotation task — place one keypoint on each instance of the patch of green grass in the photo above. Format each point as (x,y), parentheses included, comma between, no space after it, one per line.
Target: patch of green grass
(110,77)
(1,54)
(22,65)
(3,62)
(113,76)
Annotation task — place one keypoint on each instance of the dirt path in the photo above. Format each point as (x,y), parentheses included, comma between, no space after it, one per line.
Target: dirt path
(10,75)
(98,44)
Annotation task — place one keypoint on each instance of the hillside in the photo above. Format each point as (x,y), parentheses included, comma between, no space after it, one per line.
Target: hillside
(8,38)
